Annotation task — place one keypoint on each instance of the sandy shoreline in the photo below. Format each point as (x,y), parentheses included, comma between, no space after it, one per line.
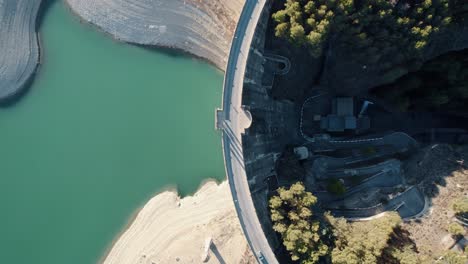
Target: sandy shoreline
(170,229)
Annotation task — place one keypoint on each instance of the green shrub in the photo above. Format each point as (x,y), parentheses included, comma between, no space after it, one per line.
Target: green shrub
(452,257)
(406,255)
(456,229)
(336,187)
(460,206)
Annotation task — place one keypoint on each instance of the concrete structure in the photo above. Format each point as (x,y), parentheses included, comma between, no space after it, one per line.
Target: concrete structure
(302,153)
(408,204)
(19,56)
(205,255)
(343,117)
(232,120)
(257,128)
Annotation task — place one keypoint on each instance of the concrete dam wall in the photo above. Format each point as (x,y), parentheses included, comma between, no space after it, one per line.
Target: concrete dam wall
(273,124)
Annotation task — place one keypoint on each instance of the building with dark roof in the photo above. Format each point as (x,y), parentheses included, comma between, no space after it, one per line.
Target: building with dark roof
(343,117)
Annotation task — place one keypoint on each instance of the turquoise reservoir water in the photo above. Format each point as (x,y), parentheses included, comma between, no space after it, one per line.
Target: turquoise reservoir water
(104,127)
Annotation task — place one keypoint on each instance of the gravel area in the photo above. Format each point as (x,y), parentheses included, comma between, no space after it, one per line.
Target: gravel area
(19,56)
(444,177)
(200,27)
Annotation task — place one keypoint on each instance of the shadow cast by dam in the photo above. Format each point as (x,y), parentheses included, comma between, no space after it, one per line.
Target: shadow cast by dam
(218,256)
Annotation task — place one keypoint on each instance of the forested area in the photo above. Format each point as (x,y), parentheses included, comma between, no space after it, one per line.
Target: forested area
(440,84)
(311,236)
(371,28)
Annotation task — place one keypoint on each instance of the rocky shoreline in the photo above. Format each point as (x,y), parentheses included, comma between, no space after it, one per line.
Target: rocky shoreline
(20,45)
(201,28)
(343,74)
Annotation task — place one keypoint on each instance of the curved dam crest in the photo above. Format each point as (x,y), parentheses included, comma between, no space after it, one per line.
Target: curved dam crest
(19,44)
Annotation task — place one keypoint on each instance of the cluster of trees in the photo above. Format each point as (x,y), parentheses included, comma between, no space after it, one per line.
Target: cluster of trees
(376,27)
(452,257)
(406,255)
(308,237)
(291,213)
(361,242)
(311,238)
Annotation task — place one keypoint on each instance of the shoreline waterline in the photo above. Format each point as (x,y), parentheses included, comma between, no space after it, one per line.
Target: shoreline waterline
(170,228)
(100,135)
(168,189)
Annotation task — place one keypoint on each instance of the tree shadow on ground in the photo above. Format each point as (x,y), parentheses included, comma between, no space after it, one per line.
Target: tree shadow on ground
(430,168)
(399,239)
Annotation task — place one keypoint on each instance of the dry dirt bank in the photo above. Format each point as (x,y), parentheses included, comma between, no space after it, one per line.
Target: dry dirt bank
(444,173)
(203,28)
(173,230)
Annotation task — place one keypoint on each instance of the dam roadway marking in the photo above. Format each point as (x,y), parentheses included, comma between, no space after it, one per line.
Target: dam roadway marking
(232,120)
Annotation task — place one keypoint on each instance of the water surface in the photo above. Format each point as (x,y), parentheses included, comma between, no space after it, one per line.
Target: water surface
(103,128)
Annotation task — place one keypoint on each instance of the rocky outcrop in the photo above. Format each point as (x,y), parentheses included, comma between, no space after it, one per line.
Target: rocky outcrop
(345,75)
(200,27)
(19,54)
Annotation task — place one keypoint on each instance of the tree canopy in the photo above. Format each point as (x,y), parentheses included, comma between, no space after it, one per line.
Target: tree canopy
(361,242)
(460,206)
(452,257)
(373,26)
(406,255)
(456,229)
(291,214)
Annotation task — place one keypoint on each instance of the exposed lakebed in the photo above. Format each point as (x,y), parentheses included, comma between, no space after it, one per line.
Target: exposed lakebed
(103,128)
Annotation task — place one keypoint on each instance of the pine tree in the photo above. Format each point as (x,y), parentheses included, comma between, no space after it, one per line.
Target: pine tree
(291,215)
(361,242)
(311,23)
